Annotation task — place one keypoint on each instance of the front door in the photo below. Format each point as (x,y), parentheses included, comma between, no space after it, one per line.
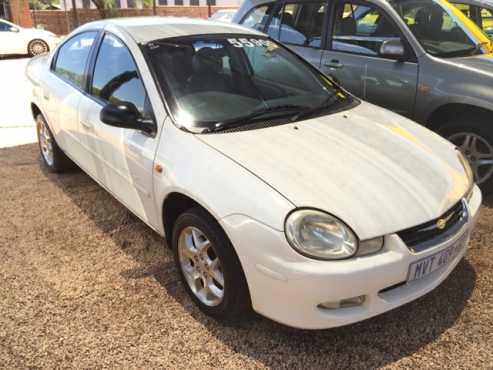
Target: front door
(122,159)
(353,57)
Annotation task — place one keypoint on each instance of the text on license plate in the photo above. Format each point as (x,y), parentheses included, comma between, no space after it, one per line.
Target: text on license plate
(426,266)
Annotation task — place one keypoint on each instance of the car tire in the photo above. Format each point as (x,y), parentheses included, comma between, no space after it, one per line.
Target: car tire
(37,47)
(474,136)
(53,157)
(198,240)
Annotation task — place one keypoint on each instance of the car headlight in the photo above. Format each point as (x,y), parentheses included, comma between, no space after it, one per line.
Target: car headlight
(469,173)
(319,235)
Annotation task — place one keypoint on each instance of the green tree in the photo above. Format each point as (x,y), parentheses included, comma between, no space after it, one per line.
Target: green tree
(43,4)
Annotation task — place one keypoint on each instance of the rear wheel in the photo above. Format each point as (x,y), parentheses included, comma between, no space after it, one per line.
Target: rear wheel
(209,267)
(54,158)
(37,47)
(475,140)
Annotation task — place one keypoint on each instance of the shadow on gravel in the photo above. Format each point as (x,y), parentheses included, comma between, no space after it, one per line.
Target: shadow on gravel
(365,345)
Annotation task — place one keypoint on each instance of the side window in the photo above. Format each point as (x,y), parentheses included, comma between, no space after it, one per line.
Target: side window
(362,29)
(72,57)
(486,20)
(4,27)
(257,18)
(302,23)
(464,8)
(115,76)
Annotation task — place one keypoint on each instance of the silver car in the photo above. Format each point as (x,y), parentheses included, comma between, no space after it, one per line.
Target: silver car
(421,58)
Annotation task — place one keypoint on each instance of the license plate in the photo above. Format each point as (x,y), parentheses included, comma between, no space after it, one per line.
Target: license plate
(426,266)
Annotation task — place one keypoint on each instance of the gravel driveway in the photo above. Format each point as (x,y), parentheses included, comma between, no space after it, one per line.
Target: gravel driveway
(85,284)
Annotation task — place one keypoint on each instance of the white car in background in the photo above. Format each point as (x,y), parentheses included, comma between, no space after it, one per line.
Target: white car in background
(15,39)
(223,15)
(276,189)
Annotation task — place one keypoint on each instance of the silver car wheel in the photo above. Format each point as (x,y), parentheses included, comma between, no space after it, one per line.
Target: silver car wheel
(45,143)
(38,47)
(478,151)
(201,266)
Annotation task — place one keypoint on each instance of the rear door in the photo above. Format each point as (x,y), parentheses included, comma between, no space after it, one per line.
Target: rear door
(121,159)
(300,25)
(63,90)
(353,57)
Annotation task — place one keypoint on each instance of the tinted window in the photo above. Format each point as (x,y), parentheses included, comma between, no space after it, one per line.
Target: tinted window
(115,76)
(72,57)
(361,29)
(301,24)
(4,26)
(487,20)
(257,18)
(440,28)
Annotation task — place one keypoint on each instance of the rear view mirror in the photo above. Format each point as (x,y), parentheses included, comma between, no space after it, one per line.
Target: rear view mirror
(13,29)
(125,115)
(392,48)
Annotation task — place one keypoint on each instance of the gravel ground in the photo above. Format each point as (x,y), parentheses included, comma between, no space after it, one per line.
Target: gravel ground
(84,284)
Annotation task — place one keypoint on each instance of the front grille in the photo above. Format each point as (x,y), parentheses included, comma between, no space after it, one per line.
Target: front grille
(426,235)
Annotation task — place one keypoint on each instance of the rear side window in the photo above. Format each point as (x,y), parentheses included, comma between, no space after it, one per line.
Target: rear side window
(115,76)
(257,18)
(302,23)
(72,58)
(4,27)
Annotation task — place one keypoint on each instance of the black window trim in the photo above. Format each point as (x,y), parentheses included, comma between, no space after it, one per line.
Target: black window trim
(81,89)
(92,66)
(410,54)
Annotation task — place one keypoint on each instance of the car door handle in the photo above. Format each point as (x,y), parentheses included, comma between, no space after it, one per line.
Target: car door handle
(334,64)
(46,95)
(86,125)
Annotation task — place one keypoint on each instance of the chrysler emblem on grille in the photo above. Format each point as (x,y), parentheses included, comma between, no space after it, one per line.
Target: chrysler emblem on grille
(441,223)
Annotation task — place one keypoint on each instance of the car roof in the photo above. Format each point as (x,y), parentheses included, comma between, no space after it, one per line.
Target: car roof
(146,29)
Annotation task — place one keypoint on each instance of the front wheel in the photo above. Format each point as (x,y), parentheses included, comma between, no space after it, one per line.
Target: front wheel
(475,140)
(209,267)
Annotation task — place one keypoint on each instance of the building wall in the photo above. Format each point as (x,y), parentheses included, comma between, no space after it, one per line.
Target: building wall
(62,22)
(19,13)
(67,4)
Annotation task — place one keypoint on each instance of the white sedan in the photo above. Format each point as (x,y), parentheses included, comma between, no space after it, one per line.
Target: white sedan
(275,188)
(15,39)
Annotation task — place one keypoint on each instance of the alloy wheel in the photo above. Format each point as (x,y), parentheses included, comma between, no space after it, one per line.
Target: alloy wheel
(478,151)
(201,266)
(38,47)
(45,143)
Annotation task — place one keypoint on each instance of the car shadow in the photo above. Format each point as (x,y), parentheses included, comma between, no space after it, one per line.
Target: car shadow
(370,344)
(16,56)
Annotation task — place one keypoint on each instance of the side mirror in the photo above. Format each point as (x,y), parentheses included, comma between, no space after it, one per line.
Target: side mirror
(392,48)
(125,115)
(13,29)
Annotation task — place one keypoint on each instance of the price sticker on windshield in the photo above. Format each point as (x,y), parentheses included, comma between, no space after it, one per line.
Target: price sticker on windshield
(249,43)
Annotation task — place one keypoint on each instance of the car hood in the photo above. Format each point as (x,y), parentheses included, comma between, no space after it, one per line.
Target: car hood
(373,169)
(479,63)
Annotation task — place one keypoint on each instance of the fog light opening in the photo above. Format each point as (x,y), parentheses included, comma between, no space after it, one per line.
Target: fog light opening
(343,303)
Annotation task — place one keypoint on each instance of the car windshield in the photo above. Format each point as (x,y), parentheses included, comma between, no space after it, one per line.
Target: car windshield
(220,81)
(442,29)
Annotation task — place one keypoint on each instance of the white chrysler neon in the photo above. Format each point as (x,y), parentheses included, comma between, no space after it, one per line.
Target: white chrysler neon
(275,188)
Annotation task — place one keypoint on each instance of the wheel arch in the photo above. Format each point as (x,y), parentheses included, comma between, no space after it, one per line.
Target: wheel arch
(174,205)
(446,112)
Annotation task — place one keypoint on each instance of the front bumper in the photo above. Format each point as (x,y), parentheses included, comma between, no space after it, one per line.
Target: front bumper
(287,287)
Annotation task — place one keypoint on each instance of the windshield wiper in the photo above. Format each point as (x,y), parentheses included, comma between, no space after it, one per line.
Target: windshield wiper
(311,111)
(256,114)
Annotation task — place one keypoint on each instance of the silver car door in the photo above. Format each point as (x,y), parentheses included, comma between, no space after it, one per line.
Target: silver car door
(354,57)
